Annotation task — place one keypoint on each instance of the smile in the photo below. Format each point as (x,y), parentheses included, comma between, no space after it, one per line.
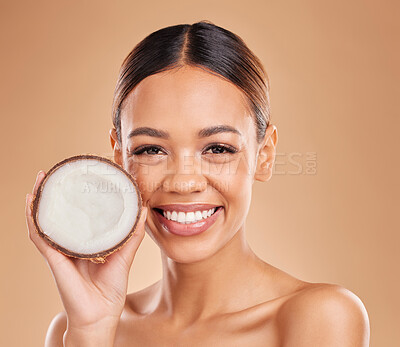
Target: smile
(188,217)
(187,223)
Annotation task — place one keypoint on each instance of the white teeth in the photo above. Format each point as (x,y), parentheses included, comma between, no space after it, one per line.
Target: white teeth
(198,215)
(181,217)
(189,217)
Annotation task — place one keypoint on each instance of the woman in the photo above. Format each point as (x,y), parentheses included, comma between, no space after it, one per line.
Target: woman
(192,125)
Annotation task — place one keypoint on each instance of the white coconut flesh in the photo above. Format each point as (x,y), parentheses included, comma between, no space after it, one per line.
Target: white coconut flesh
(88,206)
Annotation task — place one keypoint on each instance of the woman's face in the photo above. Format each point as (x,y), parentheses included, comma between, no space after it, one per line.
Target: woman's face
(184,159)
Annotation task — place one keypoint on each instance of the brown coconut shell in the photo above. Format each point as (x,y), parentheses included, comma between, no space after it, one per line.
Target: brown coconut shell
(99,257)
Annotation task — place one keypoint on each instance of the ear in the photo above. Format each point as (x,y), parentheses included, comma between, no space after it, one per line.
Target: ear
(116,146)
(266,154)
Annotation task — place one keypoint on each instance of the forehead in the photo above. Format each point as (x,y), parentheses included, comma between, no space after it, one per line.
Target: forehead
(188,99)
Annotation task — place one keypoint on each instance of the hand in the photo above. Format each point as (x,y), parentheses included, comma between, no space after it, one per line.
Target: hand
(91,293)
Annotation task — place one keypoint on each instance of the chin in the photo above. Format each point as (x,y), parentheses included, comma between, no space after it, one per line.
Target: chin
(191,254)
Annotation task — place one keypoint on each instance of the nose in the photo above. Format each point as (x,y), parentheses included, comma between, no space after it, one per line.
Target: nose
(185,176)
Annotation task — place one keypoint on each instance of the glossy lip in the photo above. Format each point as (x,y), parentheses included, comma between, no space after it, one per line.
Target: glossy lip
(188,229)
(186,207)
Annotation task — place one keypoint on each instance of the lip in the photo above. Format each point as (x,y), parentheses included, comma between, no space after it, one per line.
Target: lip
(188,229)
(186,207)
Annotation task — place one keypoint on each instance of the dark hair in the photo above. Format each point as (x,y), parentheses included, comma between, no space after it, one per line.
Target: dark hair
(201,44)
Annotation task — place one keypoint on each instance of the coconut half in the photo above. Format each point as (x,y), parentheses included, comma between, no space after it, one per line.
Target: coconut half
(87,207)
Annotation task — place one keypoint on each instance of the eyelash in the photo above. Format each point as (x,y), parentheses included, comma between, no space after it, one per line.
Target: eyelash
(228,149)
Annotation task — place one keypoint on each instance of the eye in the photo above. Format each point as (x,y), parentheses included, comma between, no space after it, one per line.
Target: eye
(150,150)
(221,149)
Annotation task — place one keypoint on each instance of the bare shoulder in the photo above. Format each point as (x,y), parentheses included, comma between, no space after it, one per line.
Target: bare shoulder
(324,315)
(55,332)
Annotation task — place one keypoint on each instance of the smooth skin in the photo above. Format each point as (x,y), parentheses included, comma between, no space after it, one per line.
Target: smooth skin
(215,291)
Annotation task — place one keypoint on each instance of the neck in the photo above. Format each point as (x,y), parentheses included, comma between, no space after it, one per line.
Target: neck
(222,283)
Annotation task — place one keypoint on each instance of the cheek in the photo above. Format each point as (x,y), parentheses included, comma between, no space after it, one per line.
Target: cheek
(235,174)
(236,183)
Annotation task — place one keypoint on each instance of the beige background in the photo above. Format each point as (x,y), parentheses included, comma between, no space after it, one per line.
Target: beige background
(334,74)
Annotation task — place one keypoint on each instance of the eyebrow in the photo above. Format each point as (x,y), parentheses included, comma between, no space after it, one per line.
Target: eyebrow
(218,129)
(149,132)
(205,132)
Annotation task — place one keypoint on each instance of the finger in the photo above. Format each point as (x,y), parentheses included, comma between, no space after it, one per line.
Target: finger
(29,203)
(39,178)
(127,253)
